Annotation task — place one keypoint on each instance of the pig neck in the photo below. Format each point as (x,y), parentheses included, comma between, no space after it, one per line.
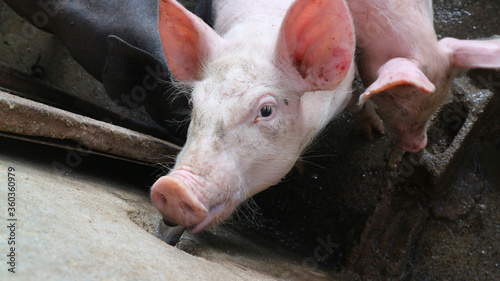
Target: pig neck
(393,28)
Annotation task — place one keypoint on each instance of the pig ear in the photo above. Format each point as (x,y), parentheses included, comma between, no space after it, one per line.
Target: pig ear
(185,38)
(472,53)
(317,39)
(398,72)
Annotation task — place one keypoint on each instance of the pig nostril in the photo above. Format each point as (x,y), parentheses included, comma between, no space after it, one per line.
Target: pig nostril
(159,200)
(187,208)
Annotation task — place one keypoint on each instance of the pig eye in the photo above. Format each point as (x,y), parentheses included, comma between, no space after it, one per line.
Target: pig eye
(266,111)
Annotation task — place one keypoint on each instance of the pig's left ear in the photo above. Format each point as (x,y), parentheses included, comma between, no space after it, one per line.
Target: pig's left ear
(185,38)
(317,39)
(472,53)
(398,72)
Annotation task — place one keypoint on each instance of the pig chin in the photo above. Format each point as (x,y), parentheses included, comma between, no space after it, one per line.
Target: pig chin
(184,198)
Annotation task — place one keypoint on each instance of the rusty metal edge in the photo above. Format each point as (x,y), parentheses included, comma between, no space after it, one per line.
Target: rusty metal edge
(52,143)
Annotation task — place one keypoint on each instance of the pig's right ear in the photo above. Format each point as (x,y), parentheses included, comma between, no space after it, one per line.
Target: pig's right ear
(186,40)
(317,40)
(398,72)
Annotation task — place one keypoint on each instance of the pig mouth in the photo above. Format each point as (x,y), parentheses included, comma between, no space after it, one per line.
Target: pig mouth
(215,215)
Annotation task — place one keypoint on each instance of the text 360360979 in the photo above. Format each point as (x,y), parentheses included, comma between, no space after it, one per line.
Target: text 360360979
(11,219)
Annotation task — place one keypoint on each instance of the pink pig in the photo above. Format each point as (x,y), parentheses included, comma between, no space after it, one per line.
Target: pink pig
(264,83)
(407,71)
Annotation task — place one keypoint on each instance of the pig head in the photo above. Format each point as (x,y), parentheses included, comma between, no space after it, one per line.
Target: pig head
(262,88)
(406,70)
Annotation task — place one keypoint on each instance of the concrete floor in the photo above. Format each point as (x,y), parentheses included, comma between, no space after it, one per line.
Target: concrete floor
(79,225)
(94,221)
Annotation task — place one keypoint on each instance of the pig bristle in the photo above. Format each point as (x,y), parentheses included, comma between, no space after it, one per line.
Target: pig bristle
(182,88)
(165,167)
(246,212)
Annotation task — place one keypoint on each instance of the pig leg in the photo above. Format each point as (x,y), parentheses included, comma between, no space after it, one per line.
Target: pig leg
(366,115)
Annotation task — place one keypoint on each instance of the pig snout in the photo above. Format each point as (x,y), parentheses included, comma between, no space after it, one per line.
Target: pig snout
(412,143)
(175,198)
